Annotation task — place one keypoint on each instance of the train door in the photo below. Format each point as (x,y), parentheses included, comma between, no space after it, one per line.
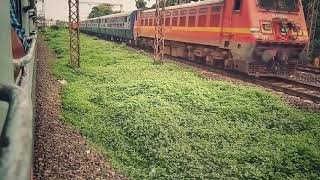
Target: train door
(231,21)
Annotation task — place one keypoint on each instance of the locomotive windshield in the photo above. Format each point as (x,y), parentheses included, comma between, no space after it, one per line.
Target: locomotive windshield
(279,5)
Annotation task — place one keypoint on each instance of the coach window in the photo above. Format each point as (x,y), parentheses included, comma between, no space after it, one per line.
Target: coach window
(237,5)
(216,9)
(193,11)
(192,18)
(183,18)
(150,22)
(192,21)
(168,19)
(203,10)
(183,21)
(167,23)
(175,21)
(202,21)
(184,12)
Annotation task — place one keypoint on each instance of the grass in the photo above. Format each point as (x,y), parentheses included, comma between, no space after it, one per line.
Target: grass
(166,122)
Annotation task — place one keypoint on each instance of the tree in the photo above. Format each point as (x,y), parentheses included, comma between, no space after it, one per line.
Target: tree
(141,4)
(101,10)
(317,37)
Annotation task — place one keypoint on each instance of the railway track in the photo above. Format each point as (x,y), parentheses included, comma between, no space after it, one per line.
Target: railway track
(291,87)
(309,69)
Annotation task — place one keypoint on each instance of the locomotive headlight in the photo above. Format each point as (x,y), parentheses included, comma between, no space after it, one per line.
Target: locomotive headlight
(255,30)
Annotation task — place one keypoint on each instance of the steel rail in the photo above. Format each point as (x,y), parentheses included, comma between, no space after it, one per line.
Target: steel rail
(309,69)
(291,87)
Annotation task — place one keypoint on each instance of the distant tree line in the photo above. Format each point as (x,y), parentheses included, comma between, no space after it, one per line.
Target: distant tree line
(102,10)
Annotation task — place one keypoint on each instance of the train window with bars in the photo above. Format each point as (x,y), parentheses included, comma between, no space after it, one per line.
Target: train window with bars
(167,21)
(183,21)
(175,21)
(202,22)
(216,9)
(193,11)
(203,10)
(192,21)
(183,12)
(146,22)
(142,22)
(150,22)
(214,20)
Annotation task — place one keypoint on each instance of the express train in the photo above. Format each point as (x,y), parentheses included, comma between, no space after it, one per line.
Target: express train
(17,87)
(256,37)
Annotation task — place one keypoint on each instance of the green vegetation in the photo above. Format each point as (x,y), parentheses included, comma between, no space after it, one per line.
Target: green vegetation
(316,52)
(166,122)
(102,10)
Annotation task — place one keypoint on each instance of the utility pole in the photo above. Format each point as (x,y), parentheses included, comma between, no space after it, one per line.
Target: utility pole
(43,13)
(74,33)
(312,18)
(159,31)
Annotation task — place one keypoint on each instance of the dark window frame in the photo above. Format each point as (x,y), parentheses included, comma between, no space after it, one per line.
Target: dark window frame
(215,9)
(237,6)
(203,10)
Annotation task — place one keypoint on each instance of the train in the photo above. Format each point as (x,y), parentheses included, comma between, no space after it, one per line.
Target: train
(17,88)
(259,38)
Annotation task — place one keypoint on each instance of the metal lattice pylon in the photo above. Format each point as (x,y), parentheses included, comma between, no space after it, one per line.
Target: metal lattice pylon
(74,33)
(159,31)
(312,17)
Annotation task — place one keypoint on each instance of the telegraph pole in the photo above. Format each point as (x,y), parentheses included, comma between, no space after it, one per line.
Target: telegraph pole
(312,18)
(159,31)
(74,33)
(44,13)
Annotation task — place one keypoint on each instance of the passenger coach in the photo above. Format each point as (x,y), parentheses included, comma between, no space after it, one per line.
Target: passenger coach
(117,27)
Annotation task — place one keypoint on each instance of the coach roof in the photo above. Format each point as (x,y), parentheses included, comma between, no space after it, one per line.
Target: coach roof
(189,5)
(114,15)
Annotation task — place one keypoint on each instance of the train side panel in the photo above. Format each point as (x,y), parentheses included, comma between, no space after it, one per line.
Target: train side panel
(231,34)
(117,27)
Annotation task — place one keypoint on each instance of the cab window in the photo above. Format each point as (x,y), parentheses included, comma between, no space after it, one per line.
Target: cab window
(237,5)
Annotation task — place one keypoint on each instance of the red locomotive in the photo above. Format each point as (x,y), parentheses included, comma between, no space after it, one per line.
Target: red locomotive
(260,38)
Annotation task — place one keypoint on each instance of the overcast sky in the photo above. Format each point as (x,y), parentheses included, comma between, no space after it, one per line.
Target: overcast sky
(58,9)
